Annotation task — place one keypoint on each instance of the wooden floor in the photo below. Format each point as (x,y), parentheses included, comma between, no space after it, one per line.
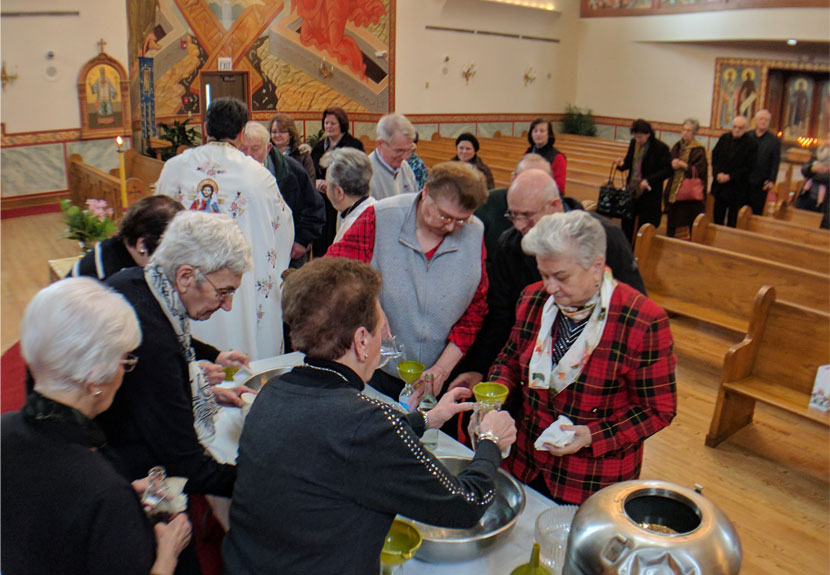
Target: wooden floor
(771,478)
(26,244)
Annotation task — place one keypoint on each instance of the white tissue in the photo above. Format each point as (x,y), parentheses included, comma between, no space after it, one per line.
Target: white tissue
(555,435)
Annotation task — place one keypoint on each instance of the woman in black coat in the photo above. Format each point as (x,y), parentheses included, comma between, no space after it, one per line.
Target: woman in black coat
(336,127)
(65,509)
(648,163)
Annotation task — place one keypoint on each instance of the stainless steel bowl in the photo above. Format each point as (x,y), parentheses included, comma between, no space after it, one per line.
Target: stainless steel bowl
(442,544)
(257,380)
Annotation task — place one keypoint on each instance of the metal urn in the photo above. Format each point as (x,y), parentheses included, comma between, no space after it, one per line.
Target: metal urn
(647,527)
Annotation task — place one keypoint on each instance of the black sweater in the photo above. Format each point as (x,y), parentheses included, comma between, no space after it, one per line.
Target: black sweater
(151,419)
(65,510)
(323,470)
(114,257)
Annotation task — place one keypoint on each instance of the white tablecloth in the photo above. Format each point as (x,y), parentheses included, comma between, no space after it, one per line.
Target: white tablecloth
(503,557)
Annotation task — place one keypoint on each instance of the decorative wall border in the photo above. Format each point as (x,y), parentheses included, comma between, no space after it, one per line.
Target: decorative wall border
(611,127)
(666,7)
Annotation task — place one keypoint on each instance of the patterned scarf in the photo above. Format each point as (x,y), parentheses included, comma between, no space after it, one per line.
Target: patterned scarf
(543,373)
(685,151)
(204,402)
(637,166)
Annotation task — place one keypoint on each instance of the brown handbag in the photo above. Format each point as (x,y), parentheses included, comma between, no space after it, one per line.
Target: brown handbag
(691,189)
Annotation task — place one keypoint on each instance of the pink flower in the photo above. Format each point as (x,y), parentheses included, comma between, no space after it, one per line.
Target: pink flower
(99,209)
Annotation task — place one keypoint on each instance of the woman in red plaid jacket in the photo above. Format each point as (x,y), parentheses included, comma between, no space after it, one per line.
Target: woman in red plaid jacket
(591,349)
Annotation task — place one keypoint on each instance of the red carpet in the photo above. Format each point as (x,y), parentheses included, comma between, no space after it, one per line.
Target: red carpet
(208,534)
(12,380)
(29,211)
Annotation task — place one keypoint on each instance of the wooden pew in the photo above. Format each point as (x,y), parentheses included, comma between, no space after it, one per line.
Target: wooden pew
(142,168)
(776,364)
(781,229)
(718,286)
(761,246)
(88,182)
(784,211)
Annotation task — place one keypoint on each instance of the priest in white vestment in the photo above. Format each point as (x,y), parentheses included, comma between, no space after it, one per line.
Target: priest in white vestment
(217,177)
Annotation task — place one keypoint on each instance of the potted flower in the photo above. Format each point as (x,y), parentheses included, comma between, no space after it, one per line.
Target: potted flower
(89,225)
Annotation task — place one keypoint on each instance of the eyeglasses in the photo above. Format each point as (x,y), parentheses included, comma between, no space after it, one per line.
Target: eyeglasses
(447,219)
(399,151)
(223,293)
(129,361)
(519,216)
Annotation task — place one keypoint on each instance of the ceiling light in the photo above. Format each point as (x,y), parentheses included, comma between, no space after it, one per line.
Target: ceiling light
(792,42)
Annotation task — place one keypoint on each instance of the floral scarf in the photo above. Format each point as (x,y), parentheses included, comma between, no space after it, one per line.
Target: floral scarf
(204,402)
(685,151)
(545,375)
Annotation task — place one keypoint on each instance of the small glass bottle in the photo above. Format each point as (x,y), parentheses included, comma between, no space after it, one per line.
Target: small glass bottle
(155,498)
(430,437)
(405,398)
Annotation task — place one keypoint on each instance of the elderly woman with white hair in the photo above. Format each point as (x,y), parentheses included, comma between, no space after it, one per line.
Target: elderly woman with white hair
(65,509)
(163,414)
(588,348)
(348,173)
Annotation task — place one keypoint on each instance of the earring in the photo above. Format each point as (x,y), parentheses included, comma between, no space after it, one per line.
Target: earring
(365,357)
(142,252)
(98,392)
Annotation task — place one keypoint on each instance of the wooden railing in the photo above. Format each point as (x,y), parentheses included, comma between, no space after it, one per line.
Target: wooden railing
(88,182)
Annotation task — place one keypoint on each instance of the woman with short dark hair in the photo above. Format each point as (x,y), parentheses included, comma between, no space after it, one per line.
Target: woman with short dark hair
(324,468)
(138,235)
(286,139)
(466,148)
(336,128)
(648,164)
(541,138)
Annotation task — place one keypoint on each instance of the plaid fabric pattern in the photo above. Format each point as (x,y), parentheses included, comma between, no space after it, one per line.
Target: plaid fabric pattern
(359,244)
(626,393)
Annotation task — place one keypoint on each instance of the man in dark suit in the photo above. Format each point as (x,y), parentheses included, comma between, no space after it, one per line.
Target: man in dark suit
(763,175)
(733,159)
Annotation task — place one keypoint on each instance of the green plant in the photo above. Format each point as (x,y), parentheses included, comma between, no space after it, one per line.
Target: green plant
(178,135)
(87,226)
(577,121)
(312,139)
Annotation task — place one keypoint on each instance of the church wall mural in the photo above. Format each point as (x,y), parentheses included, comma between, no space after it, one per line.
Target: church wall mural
(796,94)
(301,56)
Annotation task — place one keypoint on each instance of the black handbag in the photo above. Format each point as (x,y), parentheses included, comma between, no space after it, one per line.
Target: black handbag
(614,202)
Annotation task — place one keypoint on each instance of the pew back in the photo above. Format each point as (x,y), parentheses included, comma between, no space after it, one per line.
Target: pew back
(784,211)
(718,286)
(761,246)
(781,229)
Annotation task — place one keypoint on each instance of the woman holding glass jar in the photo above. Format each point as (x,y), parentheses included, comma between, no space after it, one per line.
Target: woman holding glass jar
(65,509)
